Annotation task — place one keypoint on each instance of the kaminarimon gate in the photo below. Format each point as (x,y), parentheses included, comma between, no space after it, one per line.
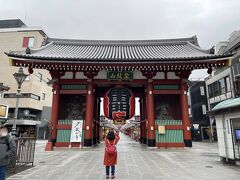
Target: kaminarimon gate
(155,71)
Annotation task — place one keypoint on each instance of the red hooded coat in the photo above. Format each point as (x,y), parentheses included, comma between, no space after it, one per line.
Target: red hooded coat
(110,160)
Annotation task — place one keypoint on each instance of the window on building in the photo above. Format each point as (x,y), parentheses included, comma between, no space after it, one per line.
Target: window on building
(33,96)
(40,77)
(43,96)
(222,86)
(228,85)
(28,42)
(210,91)
(23,95)
(9,95)
(202,91)
(236,68)
(27,78)
(237,87)
(219,87)
(216,89)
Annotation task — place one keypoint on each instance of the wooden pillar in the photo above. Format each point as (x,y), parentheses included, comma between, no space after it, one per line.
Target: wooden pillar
(98,119)
(143,122)
(144,110)
(185,115)
(54,118)
(150,115)
(96,114)
(151,139)
(89,108)
(89,114)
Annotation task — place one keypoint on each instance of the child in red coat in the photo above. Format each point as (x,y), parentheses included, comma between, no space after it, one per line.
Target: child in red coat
(110,159)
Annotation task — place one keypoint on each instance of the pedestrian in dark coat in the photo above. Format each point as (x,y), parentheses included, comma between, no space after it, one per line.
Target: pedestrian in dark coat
(7,149)
(110,160)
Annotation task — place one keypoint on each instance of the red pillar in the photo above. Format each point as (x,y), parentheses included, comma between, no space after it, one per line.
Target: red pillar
(143,121)
(89,114)
(150,115)
(54,118)
(95,115)
(98,119)
(185,115)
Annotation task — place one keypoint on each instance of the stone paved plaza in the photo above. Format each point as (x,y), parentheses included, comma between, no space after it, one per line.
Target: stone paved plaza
(134,162)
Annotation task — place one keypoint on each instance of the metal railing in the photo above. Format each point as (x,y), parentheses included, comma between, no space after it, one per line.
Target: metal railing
(25,150)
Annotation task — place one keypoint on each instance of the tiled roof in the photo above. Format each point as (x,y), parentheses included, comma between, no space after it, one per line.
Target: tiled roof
(118,51)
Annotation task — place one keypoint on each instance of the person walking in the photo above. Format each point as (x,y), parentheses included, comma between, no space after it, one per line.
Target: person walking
(7,149)
(110,154)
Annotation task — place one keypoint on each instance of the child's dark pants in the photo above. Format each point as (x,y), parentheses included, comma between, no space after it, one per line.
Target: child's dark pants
(112,170)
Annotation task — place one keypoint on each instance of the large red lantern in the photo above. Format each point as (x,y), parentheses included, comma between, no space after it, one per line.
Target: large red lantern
(119,103)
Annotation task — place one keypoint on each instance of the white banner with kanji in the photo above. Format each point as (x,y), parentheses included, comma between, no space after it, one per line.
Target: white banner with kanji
(76,133)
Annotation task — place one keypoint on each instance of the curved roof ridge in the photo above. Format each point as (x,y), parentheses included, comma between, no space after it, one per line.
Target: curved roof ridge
(199,48)
(40,48)
(32,50)
(124,42)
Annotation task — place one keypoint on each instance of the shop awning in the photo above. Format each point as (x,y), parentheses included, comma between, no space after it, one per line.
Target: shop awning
(229,103)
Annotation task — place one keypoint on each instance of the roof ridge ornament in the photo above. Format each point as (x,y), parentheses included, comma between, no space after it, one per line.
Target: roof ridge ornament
(212,50)
(195,40)
(28,50)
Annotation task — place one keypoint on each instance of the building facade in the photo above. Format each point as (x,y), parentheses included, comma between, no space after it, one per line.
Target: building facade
(35,93)
(198,107)
(227,112)
(156,71)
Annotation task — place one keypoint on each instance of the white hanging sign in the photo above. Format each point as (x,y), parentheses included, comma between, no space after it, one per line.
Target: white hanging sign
(76,133)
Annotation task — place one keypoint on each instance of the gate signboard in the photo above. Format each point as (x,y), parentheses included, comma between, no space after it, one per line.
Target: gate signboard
(120,75)
(76,133)
(119,104)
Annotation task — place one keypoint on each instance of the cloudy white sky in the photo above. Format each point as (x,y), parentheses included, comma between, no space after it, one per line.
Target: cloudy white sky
(211,20)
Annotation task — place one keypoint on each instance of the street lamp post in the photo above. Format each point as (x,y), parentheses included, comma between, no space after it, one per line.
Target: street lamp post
(19,77)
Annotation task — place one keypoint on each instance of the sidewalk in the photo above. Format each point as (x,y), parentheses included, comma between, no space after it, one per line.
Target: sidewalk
(135,162)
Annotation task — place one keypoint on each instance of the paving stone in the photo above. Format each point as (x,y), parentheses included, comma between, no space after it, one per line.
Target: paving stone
(135,162)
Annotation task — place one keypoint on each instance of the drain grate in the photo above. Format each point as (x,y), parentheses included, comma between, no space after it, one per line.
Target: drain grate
(41,162)
(209,166)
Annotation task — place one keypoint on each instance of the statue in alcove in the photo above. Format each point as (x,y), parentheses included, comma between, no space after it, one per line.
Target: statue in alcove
(75,110)
(163,112)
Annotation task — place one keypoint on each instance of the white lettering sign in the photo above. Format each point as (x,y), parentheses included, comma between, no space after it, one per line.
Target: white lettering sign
(204,110)
(202,91)
(76,133)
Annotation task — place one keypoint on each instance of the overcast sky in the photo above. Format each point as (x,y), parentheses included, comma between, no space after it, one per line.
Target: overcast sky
(211,20)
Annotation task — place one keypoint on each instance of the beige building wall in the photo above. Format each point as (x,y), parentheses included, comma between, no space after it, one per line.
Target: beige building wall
(13,40)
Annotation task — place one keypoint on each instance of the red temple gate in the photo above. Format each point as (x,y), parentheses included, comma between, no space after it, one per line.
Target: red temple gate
(156,71)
